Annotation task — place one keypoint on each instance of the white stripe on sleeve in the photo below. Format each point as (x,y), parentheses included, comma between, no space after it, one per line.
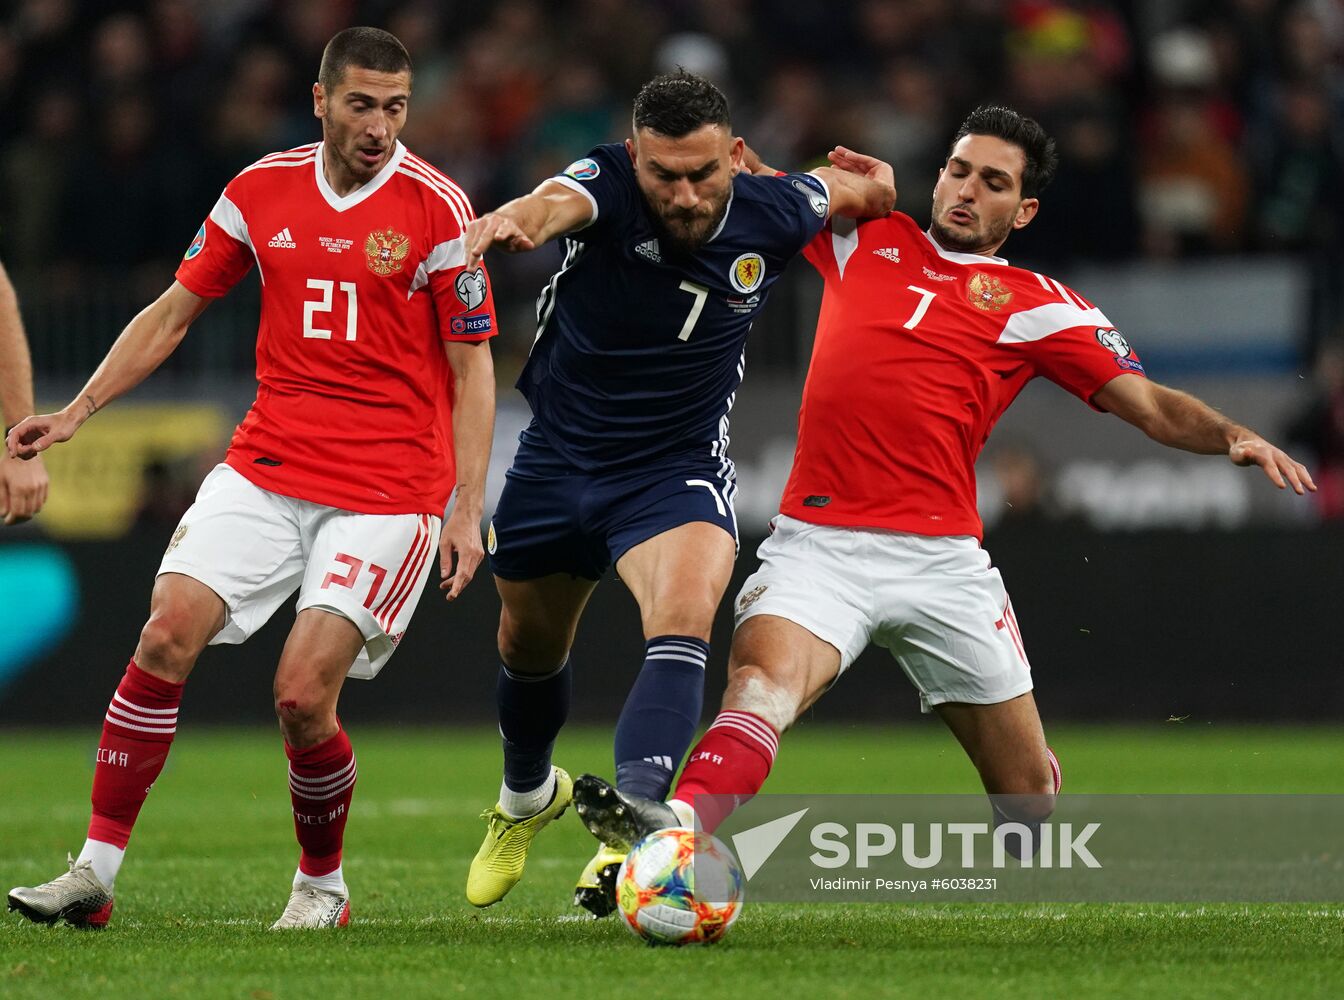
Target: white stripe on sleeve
(449,254)
(1036,324)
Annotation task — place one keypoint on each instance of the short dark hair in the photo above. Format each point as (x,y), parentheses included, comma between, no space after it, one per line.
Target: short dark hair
(676,104)
(1025,133)
(367,48)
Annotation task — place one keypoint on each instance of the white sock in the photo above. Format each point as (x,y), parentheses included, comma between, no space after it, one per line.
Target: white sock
(106,860)
(685,814)
(330,882)
(520,805)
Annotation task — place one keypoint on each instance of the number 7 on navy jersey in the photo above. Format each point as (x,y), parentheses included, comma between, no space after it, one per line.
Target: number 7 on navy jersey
(701,293)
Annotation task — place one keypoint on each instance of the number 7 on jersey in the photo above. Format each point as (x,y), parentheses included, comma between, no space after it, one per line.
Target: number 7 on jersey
(701,293)
(925,298)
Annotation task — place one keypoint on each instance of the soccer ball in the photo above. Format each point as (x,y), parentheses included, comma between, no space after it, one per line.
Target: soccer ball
(678,886)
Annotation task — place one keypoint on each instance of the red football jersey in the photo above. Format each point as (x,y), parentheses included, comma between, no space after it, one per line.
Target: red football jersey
(354,395)
(919,350)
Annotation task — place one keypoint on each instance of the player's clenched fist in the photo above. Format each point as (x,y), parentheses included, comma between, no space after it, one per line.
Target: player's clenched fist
(494,230)
(23,489)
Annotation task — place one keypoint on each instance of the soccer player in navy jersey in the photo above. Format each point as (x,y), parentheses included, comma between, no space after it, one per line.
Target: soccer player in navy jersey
(670,249)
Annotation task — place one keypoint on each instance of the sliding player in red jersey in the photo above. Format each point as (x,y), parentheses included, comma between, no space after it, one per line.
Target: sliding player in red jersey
(374,375)
(924,339)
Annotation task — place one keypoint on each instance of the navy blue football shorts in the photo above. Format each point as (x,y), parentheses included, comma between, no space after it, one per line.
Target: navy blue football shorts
(555,518)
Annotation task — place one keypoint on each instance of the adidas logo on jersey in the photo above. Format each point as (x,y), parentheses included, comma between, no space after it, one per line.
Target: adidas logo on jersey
(649,251)
(890,253)
(283,240)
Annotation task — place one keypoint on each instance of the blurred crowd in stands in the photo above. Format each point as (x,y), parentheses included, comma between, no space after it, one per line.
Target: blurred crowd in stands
(1185,126)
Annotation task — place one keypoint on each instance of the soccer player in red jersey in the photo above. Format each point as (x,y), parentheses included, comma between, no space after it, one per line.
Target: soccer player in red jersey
(923,340)
(376,395)
(23,485)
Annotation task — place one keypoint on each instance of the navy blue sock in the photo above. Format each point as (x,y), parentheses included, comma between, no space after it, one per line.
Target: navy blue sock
(531,712)
(660,716)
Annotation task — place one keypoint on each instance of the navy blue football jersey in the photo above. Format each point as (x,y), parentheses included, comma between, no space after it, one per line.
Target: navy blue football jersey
(639,350)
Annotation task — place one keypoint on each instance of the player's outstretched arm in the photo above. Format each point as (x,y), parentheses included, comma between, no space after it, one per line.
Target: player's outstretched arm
(862,186)
(460,551)
(527,222)
(143,346)
(23,485)
(1179,420)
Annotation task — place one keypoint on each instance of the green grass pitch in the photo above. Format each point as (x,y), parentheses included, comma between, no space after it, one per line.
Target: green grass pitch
(210,864)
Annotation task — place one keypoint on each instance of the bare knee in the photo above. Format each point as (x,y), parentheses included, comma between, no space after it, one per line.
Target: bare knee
(169,645)
(758,690)
(306,716)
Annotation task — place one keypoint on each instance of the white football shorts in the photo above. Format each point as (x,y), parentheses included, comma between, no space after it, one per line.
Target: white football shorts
(254,548)
(935,602)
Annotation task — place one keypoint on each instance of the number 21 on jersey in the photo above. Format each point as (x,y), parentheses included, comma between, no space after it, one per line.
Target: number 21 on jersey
(312,307)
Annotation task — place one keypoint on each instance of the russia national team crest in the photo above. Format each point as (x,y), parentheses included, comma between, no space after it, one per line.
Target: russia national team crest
(178,535)
(583,170)
(197,245)
(751,597)
(987,293)
(386,250)
(747,272)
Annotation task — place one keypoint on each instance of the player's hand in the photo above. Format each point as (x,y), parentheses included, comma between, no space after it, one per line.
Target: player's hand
(23,489)
(752,163)
(865,166)
(494,230)
(1281,469)
(34,435)
(460,551)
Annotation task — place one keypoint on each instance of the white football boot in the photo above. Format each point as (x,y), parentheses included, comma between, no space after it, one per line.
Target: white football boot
(310,906)
(77,895)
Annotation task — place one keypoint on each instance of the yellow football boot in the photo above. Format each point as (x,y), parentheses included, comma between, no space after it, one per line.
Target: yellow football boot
(498,865)
(596,888)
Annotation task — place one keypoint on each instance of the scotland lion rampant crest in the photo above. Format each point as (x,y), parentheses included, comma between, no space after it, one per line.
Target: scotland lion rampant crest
(747,272)
(386,251)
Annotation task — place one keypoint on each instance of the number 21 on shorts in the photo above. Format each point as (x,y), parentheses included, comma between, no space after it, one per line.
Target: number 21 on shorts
(347,579)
